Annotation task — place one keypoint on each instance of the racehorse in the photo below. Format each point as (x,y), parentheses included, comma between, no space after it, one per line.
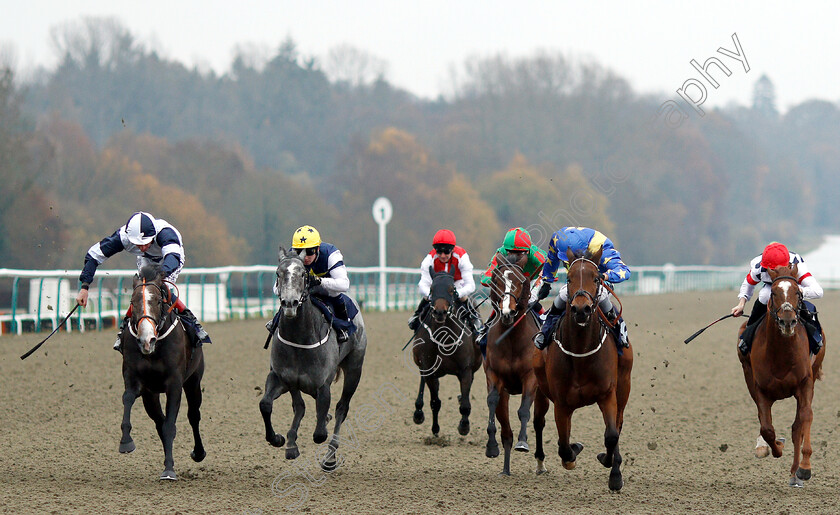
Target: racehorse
(778,367)
(159,358)
(306,357)
(444,345)
(581,368)
(509,361)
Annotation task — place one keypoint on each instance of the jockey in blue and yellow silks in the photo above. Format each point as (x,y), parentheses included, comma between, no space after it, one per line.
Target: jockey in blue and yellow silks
(612,269)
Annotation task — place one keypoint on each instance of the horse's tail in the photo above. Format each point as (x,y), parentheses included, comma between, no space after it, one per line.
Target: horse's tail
(337,375)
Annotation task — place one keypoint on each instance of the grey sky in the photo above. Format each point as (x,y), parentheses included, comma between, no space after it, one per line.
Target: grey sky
(648,43)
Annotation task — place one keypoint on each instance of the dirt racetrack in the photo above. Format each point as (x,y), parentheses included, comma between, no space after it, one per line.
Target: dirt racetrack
(688,437)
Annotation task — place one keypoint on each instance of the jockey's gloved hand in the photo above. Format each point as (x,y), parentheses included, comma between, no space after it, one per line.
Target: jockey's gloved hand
(314,281)
(545,289)
(318,290)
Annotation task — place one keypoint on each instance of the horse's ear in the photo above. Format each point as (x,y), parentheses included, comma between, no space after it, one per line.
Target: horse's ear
(431,270)
(570,256)
(596,257)
(795,270)
(502,258)
(281,252)
(451,272)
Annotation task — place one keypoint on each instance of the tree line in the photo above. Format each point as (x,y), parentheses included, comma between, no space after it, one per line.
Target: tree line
(238,161)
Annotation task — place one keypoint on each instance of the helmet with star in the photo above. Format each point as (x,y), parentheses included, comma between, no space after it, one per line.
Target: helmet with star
(306,237)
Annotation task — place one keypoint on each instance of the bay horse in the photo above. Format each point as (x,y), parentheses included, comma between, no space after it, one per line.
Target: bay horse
(306,358)
(159,358)
(444,345)
(778,366)
(509,360)
(583,367)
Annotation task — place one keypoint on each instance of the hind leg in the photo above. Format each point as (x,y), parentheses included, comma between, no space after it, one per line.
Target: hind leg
(611,458)
(352,376)
(298,409)
(540,409)
(801,434)
(273,389)
(466,380)
(192,390)
(173,405)
(434,402)
(418,404)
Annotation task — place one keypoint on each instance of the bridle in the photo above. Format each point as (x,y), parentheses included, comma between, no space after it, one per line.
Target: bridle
(785,306)
(164,296)
(593,305)
(505,270)
(593,299)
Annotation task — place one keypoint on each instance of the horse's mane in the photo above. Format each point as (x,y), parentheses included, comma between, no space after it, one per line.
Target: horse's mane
(149,271)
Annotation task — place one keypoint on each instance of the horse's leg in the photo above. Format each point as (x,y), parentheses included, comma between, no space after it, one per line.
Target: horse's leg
(466,380)
(611,458)
(434,402)
(298,408)
(492,450)
(322,409)
(418,404)
(765,418)
(173,404)
(129,396)
(502,413)
(524,413)
(273,388)
(352,376)
(801,434)
(192,390)
(540,409)
(762,449)
(151,403)
(568,453)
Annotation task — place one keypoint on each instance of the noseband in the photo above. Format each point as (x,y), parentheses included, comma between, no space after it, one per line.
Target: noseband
(522,280)
(581,292)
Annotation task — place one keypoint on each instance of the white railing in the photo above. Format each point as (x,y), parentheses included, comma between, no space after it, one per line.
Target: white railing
(29,299)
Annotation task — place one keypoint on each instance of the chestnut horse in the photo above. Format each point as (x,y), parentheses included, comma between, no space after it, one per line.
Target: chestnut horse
(508,364)
(444,345)
(581,368)
(778,367)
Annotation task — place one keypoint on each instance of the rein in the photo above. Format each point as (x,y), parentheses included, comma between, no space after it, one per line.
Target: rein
(304,296)
(158,324)
(596,307)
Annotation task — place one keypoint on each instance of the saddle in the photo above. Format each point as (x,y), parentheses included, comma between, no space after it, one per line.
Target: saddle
(335,321)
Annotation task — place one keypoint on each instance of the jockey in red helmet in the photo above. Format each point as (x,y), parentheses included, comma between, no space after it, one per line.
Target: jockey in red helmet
(774,256)
(447,256)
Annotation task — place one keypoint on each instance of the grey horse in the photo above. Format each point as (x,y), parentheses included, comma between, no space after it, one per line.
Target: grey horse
(306,358)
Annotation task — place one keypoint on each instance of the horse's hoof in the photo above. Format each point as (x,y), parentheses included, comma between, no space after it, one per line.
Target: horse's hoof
(168,475)
(804,474)
(602,457)
(198,456)
(616,482)
(504,473)
(127,447)
(762,452)
(464,428)
(292,453)
(329,466)
(522,446)
(569,465)
(319,437)
(541,468)
(436,430)
(277,441)
(419,417)
(492,451)
(576,448)
(795,482)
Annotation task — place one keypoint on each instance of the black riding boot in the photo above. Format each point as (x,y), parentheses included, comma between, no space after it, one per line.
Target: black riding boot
(414,321)
(470,316)
(118,343)
(200,333)
(746,337)
(551,319)
(341,312)
(619,328)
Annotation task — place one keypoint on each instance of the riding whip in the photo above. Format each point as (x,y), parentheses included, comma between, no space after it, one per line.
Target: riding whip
(695,335)
(57,327)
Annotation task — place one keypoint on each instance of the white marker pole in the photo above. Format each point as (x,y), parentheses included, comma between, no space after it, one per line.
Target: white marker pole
(382,212)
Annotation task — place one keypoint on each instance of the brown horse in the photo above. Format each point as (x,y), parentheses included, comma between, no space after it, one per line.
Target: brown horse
(581,368)
(444,345)
(778,366)
(510,354)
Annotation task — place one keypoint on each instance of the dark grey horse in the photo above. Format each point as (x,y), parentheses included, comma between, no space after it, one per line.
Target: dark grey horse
(306,358)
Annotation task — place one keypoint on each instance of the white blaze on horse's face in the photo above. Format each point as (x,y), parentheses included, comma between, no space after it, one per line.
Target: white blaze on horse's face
(507,298)
(146,330)
(787,324)
(292,284)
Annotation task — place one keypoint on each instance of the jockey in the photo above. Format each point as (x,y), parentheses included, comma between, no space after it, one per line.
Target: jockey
(611,268)
(152,240)
(447,256)
(516,243)
(325,262)
(776,255)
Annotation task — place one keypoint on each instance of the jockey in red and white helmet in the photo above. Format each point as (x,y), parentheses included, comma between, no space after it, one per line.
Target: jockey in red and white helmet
(774,256)
(446,256)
